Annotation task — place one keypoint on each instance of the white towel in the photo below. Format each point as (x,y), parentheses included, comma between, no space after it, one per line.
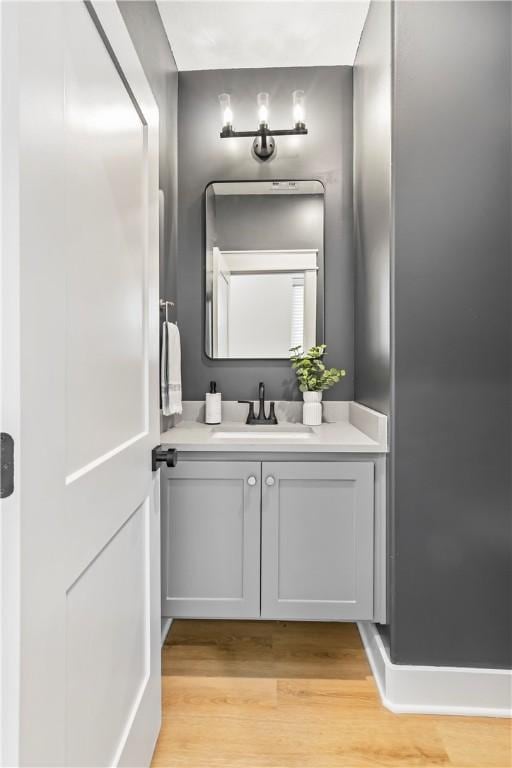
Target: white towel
(170,373)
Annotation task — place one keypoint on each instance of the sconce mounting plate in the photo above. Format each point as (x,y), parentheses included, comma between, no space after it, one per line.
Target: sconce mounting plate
(263,147)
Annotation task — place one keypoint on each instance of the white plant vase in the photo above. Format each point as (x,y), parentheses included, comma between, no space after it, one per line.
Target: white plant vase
(312,409)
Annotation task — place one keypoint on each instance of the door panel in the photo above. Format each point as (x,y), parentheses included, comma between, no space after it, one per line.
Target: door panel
(108,631)
(317,541)
(86,202)
(211,539)
(106,203)
(213,566)
(302,539)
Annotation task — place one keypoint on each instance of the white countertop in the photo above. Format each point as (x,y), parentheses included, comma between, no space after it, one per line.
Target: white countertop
(348,428)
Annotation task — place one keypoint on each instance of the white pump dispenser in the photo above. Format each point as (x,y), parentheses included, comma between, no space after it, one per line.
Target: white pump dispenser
(213,405)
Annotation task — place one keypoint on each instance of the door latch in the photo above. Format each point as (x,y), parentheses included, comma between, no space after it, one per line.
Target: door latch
(6,465)
(160,455)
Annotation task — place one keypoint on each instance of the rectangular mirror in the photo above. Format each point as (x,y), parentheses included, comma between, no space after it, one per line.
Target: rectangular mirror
(264,286)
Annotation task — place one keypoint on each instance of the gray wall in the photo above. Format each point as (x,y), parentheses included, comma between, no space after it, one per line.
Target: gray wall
(452,430)
(450,538)
(147,32)
(372,209)
(325,154)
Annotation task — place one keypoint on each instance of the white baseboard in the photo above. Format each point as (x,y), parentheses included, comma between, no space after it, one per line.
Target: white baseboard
(166,625)
(436,690)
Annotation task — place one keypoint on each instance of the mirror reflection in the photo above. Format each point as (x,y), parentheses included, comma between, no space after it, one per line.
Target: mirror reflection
(264,268)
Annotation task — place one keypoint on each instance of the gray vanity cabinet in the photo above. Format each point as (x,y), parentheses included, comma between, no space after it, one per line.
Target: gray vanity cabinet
(317,540)
(307,527)
(211,539)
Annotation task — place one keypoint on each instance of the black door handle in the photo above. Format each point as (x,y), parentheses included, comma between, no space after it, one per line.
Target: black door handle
(159,455)
(6,465)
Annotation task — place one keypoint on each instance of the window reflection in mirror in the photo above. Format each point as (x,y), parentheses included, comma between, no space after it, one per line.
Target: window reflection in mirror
(264,268)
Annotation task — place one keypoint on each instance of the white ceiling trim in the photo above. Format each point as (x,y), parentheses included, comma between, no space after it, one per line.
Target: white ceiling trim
(240,34)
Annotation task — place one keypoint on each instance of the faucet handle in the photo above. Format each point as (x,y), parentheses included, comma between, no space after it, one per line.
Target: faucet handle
(272,415)
(250,415)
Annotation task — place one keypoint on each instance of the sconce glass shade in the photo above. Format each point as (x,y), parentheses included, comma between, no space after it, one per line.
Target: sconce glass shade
(299,108)
(226,111)
(263,108)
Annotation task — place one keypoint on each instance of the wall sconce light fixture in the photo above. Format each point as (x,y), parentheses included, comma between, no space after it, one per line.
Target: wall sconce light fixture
(264,144)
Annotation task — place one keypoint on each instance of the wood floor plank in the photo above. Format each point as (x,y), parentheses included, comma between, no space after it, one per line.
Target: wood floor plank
(278,742)
(477,742)
(220,696)
(325,696)
(284,694)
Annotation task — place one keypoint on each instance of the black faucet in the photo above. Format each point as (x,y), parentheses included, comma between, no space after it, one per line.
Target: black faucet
(261,418)
(261,394)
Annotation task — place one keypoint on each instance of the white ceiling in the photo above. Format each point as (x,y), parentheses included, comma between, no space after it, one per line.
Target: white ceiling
(235,34)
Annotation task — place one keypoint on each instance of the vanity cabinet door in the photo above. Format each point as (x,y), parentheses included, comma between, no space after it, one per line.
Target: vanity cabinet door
(317,540)
(211,539)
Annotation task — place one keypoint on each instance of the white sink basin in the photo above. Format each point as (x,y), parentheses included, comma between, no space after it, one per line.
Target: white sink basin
(263,432)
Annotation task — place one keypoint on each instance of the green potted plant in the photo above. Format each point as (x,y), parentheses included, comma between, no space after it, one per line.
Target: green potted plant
(313,378)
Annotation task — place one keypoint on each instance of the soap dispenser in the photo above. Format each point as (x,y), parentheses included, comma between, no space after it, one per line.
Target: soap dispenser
(213,405)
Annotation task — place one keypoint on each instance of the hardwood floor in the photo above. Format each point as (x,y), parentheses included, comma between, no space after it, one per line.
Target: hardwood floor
(288,695)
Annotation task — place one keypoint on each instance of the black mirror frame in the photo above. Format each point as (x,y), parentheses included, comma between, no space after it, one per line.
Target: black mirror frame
(320,311)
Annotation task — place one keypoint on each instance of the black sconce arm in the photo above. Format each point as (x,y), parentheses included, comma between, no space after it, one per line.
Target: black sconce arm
(229,133)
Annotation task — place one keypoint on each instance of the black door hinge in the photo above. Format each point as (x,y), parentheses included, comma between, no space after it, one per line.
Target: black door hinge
(160,455)
(6,465)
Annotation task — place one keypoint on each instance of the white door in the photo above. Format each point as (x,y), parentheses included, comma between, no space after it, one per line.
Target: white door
(80,533)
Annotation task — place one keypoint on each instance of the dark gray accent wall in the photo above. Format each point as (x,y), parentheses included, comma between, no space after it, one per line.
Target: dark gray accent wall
(372,209)
(451,378)
(325,154)
(148,35)
(452,414)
